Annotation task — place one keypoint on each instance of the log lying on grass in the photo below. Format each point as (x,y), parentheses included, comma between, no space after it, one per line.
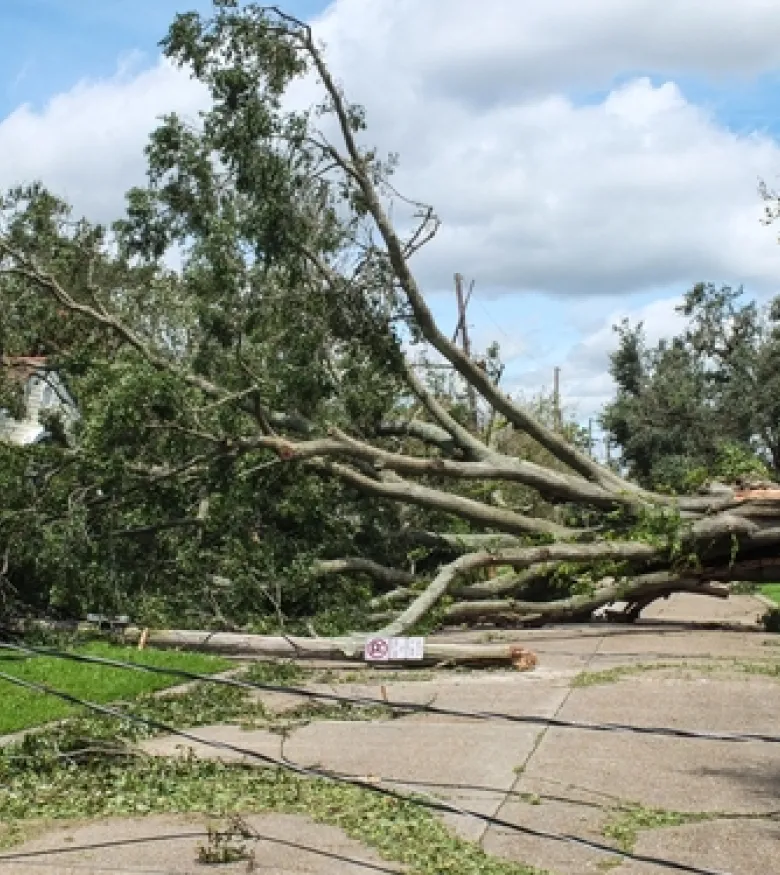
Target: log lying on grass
(336,649)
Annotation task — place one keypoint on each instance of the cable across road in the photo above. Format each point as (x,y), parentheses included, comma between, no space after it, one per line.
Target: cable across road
(431,804)
(411,707)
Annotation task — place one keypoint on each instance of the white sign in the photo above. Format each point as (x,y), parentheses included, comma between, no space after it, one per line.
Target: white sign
(393,649)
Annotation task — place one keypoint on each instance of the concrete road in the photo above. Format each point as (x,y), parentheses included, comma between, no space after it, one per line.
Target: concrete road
(700,803)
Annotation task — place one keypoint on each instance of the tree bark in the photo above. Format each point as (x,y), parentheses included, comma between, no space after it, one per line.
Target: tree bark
(349,649)
(644,589)
(519,558)
(357,564)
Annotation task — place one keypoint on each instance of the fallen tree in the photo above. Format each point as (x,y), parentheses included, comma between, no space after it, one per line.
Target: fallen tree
(343,648)
(218,383)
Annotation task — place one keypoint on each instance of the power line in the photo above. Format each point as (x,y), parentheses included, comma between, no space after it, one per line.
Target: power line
(354,781)
(31,858)
(416,707)
(491,317)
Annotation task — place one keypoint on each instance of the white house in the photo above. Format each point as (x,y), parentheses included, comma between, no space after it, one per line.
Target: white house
(44,394)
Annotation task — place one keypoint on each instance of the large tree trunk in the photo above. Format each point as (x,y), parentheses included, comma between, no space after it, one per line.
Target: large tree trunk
(350,648)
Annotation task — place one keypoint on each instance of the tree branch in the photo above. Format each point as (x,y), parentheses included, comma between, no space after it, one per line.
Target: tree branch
(475,376)
(466,508)
(392,576)
(400,594)
(495,466)
(461,543)
(506,583)
(518,558)
(27,268)
(426,432)
(643,588)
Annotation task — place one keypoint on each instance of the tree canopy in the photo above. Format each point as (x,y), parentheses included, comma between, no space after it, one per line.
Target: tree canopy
(703,404)
(251,421)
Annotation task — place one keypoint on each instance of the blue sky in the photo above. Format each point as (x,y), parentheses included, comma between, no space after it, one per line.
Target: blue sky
(585,166)
(49,45)
(740,102)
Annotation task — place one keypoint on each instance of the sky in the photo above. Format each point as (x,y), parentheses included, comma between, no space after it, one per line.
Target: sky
(588,161)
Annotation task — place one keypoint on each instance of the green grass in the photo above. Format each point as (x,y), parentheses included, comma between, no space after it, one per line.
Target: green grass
(22,709)
(771,591)
(88,767)
(630,819)
(33,797)
(682,669)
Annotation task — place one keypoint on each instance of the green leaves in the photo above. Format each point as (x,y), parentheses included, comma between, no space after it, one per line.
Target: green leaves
(246,198)
(85,768)
(686,410)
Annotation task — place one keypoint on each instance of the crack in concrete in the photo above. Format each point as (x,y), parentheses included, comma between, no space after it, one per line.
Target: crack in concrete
(513,792)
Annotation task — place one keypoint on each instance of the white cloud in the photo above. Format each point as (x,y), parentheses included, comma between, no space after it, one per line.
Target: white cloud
(635,190)
(87,144)
(638,189)
(503,49)
(586,385)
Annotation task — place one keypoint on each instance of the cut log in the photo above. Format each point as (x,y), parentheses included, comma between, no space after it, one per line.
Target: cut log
(294,647)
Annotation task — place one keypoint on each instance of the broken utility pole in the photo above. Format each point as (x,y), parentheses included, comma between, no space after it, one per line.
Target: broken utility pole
(462,330)
(557,418)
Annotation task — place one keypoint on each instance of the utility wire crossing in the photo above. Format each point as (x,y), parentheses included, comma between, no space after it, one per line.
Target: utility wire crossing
(415,707)
(429,803)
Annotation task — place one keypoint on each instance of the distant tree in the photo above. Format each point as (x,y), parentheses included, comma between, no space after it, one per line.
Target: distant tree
(705,403)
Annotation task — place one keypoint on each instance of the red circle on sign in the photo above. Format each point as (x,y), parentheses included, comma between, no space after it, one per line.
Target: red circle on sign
(377,648)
